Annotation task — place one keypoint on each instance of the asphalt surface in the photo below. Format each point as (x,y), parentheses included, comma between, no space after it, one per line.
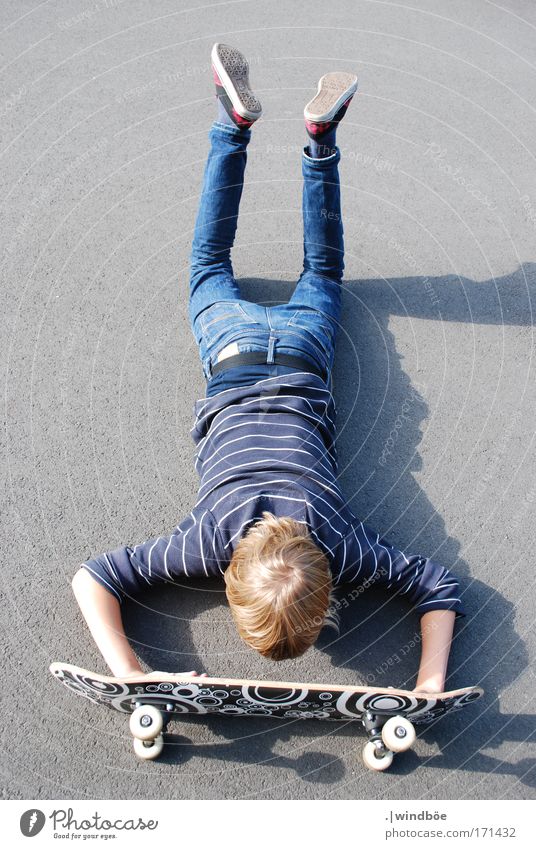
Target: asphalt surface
(105,110)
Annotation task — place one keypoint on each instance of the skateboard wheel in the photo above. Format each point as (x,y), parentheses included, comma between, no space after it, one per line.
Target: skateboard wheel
(148,750)
(146,722)
(375,758)
(398,734)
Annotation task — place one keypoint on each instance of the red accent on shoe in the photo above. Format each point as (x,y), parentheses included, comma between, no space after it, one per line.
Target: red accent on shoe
(314,129)
(216,77)
(240,121)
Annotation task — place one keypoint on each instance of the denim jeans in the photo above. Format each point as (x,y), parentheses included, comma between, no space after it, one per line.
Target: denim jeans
(307,324)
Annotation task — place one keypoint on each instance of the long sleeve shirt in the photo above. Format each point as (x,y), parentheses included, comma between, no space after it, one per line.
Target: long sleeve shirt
(271,446)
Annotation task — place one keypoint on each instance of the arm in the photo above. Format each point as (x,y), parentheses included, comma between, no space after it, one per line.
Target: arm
(103,615)
(102,612)
(104,581)
(369,559)
(436,630)
(433,591)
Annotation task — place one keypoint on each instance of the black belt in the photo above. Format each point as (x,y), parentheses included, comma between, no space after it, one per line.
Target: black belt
(258,358)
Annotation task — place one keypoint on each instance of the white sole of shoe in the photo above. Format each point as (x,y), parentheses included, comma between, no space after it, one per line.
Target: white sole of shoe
(333,90)
(233,70)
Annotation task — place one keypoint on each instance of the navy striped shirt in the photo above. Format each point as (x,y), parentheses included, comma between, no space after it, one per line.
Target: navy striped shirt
(271,446)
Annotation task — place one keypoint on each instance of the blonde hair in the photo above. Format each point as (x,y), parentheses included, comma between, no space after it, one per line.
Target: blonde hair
(279,587)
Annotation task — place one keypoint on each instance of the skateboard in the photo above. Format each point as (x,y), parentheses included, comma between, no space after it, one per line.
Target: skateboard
(387,715)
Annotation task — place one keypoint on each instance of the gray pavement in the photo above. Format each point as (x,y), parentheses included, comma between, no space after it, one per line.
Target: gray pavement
(105,109)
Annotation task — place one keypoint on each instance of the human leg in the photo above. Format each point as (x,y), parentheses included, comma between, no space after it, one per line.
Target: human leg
(323,242)
(305,327)
(214,293)
(211,272)
(318,291)
(317,297)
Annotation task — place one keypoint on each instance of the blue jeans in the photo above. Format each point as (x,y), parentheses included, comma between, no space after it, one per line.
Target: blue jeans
(307,324)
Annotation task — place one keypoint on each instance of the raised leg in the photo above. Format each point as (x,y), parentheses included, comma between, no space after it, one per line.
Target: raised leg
(323,244)
(211,275)
(316,302)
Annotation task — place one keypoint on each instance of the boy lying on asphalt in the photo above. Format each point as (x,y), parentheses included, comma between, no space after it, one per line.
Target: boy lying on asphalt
(270,518)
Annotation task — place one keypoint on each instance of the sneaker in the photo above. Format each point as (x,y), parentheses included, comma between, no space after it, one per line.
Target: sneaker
(329,105)
(231,76)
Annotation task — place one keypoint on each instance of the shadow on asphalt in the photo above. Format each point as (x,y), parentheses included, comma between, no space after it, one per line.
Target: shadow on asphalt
(382,646)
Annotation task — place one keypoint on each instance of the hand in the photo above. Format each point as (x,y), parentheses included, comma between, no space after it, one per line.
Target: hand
(159,676)
(191,674)
(427,689)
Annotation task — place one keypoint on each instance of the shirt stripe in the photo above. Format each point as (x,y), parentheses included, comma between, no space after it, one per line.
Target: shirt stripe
(272,446)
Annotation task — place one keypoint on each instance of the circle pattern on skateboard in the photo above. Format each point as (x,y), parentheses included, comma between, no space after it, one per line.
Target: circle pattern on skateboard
(297,702)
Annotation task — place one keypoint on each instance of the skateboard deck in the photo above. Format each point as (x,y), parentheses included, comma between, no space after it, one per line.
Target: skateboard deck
(154,699)
(242,697)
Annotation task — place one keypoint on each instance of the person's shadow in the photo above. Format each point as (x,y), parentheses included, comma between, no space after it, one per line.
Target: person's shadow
(380,412)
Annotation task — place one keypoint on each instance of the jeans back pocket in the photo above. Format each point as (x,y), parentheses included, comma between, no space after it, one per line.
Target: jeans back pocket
(312,320)
(222,311)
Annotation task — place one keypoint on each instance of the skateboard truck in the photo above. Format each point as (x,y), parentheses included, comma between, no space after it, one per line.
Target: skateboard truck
(147,725)
(385,737)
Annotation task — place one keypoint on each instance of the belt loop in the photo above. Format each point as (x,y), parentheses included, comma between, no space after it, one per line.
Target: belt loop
(271,342)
